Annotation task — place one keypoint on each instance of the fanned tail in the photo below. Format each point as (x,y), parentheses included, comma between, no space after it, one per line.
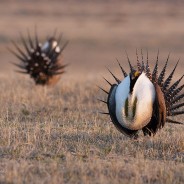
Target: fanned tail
(155,70)
(40,64)
(138,62)
(148,71)
(173,87)
(177,106)
(168,80)
(131,67)
(123,71)
(162,73)
(142,67)
(117,80)
(173,121)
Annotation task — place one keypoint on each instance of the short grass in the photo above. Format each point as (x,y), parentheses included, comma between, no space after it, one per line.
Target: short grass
(55,135)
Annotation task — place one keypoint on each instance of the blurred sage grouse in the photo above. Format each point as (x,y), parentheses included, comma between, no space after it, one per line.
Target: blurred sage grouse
(144,99)
(40,61)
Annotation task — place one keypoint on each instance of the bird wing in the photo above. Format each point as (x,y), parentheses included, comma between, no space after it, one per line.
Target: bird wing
(159,113)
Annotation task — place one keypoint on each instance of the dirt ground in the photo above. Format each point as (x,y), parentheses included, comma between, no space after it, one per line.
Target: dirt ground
(55,134)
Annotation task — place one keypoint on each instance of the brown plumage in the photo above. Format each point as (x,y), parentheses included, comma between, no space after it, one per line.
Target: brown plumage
(42,62)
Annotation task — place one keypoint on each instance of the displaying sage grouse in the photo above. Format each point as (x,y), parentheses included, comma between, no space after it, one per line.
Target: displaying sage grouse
(40,61)
(144,100)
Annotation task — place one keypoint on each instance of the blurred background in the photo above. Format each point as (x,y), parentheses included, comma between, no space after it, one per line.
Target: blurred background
(98,31)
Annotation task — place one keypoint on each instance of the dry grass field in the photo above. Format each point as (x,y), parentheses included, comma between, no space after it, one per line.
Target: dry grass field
(55,134)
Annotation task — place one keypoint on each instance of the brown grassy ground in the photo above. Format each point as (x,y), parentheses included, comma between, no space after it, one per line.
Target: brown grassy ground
(55,135)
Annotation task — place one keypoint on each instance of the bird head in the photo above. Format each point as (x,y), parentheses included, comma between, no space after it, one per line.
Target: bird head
(51,44)
(134,75)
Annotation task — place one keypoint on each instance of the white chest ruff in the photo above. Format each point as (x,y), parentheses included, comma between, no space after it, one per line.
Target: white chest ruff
(144,94)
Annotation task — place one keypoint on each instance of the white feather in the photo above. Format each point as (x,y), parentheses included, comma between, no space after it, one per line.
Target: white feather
(54,44)
(45,46)
(121,95)
(57,49)
(144,91)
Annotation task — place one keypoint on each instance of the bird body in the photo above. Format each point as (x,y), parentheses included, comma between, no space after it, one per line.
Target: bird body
(41,61)
(144,100)
(134,110)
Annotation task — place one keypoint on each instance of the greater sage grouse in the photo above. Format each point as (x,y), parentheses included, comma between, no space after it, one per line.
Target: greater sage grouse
(40,61)
(144,100)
